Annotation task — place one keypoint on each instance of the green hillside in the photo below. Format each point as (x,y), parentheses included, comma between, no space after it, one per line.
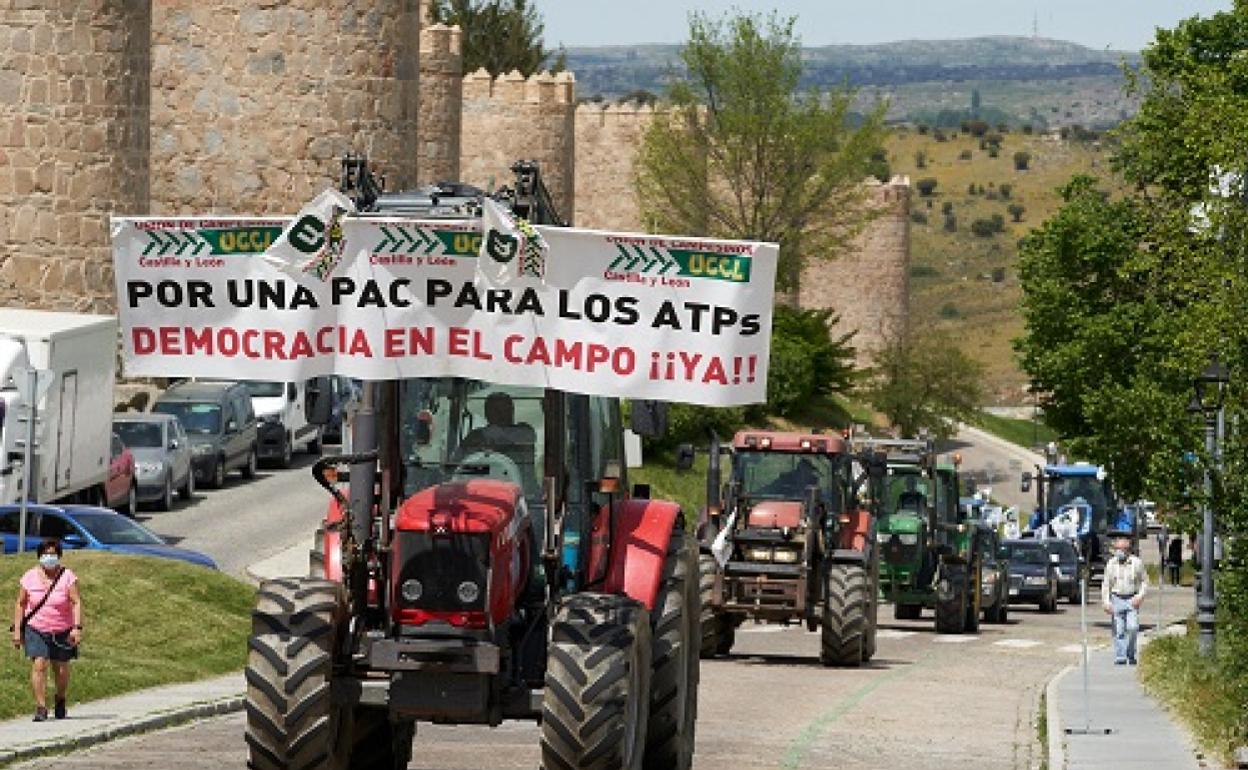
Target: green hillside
(967,283)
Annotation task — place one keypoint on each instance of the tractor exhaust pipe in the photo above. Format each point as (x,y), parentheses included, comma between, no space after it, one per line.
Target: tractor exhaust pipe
(364,474)
(713,478)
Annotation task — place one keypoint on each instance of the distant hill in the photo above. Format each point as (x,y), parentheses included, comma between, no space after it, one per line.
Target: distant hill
(1036,81)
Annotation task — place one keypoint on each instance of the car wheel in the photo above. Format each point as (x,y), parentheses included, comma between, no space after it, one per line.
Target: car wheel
(165,502)
(188,489)
(249,470)
(132,502)
(218,473)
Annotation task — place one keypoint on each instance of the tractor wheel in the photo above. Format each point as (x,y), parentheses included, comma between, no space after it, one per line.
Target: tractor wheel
(974,599)
(292,722)
(727,636)
(845,622)
(596,704)
(907,611)
(380,744)
(674,660)
(713,625)
(951,612)
(873,614)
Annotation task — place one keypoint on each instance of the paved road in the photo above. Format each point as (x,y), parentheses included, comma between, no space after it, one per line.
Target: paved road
(246,520)
(926,701)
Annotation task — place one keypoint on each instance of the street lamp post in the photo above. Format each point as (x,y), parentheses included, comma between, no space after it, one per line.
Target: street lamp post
(1210,387)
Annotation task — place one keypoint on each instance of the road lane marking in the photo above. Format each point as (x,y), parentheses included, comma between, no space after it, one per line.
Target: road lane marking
(765,629)
(954,639)
(1019,643)
(888,633)
(1071,648)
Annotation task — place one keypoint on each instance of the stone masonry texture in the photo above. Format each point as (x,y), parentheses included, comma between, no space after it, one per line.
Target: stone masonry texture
(74,118)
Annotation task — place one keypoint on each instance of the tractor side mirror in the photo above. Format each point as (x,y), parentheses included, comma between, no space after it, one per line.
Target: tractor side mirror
(423,429)
(684,457)
(1026,486)
(319,402)
(648,418)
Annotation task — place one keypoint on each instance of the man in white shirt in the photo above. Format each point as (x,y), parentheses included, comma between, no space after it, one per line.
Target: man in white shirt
(1122,592)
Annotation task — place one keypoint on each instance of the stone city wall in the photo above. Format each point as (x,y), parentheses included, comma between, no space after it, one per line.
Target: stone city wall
(74,117)
(441,100)
(607,142)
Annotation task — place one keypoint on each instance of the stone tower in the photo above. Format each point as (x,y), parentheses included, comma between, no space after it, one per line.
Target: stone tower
(441,97)
(607,142)
(74,111)
(253,104)
(513,118)
(869,284)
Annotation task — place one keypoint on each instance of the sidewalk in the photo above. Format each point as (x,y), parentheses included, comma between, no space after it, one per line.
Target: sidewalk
(102,720)
(1129,729)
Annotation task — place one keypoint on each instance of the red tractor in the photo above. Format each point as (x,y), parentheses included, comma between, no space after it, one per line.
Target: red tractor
(483,561)
(787,543)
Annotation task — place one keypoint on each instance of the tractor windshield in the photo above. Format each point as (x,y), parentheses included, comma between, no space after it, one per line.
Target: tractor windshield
(785,475)
(1080,490)
(907,492)
(455,429)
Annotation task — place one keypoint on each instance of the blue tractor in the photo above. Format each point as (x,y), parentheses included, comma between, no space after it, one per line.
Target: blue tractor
(1077,501)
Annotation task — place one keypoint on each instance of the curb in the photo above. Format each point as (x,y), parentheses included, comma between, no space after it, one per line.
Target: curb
(146,723)
(1056,749)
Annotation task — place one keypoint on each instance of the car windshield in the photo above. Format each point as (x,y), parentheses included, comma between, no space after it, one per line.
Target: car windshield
(1028,554)
(907,492)
(196,418)
(139,434)
(460,429)
(260,389)
(115,529)
(784,475)
(1063,548)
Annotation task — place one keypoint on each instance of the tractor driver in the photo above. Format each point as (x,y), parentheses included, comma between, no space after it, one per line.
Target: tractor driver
(911,498)
(501,433)
(793,482)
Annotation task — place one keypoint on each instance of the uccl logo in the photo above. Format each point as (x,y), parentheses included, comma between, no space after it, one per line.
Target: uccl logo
(323,240)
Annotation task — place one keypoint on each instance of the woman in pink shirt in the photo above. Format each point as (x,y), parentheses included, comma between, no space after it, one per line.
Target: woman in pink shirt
(47,620)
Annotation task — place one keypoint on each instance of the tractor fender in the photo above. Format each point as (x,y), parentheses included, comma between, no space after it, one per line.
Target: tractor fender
(331,544)
(855,531)
(846,556)
(640,533)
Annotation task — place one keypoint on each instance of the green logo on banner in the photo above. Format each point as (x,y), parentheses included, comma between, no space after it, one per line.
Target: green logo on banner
(194,243)
(683,262)
(406,239)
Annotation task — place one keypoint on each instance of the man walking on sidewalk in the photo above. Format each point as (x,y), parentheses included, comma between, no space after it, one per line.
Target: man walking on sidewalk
(1122,591)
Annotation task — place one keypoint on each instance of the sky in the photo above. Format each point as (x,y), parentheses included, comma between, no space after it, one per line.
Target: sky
(1125,25)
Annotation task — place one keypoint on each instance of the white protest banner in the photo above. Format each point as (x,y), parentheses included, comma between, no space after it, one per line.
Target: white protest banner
(627,315)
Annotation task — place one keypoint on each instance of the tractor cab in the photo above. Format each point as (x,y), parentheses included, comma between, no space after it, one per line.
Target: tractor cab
(1077,502)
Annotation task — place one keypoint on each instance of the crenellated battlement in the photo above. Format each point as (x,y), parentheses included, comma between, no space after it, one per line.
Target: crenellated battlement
(514,88)
(441,43)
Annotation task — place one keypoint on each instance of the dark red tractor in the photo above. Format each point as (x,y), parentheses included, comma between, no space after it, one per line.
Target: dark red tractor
(482,560)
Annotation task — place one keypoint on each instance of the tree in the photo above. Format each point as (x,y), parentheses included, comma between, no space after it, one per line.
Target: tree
(926,186)
(983,228)
(926,383)
(743,153)
(1022,160)
(1016,211)
(500,35)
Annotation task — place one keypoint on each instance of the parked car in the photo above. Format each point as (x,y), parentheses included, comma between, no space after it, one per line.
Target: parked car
(219,421)
(92,528)
(120,491)
(162,456)
(1069,569)
(283,424)
(994,598)
(1032,573)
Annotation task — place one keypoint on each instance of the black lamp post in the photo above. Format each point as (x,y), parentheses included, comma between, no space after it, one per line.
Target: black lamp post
(1210,386)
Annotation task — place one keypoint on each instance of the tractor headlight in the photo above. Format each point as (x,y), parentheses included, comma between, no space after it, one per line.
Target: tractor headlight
(412,590)
(785,556)
(908,538)
(882,536)
(468,592)
(758,554)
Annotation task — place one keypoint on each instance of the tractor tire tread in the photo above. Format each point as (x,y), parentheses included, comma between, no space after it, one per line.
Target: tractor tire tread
(674,671)
(845,622)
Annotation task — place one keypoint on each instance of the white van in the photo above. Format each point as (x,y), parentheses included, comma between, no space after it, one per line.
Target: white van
(283,424)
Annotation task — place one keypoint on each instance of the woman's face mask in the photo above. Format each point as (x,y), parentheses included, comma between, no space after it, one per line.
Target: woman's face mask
(49,560)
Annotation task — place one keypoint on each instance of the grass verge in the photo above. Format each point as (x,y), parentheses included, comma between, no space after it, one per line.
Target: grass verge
(1203,698)
(1025,433)
(688,488)
(147,622)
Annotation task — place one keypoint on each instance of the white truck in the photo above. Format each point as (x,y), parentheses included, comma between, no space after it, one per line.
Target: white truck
(284,428)
(75,358)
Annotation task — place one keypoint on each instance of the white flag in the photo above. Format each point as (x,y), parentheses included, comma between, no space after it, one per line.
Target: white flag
(721,548)
(313,243)
(510,247)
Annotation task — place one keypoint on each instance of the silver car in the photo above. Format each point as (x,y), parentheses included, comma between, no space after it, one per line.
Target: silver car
(162,456)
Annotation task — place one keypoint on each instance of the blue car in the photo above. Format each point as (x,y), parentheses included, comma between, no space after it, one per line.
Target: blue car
(92,528)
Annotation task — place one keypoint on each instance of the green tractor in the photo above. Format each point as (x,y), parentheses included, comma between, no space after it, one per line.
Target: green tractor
(932,552)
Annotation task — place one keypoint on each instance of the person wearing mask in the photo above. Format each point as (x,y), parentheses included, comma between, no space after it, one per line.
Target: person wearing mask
(47,621)
(1122,592)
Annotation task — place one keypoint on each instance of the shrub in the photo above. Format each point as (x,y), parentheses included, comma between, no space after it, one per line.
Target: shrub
(940,136)
(949,311)
(976,128)
(951,223)
(926,186)
(1022,160)
(1003,128)
(1005,188)
(878,166)
(1027,129)
(983,228)
(920,159)
(970,189)
(923,271)
(998,223)
(964,155)
(998,275)
(918,217)
(1016,211)
(993,151)
(923,129)
(994,138)
(946,208)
